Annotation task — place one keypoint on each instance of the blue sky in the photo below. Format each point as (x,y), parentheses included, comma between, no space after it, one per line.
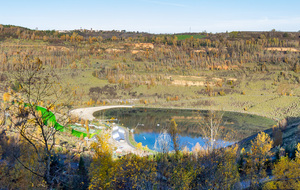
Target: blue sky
(155,16)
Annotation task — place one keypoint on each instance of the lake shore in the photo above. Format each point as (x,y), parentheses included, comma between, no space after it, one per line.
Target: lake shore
(87,113)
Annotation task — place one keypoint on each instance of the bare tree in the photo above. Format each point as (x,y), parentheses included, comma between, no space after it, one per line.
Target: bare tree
(162,143)
(34,85)
(211,126)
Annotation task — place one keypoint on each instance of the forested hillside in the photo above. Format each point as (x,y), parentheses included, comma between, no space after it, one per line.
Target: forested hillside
(56,71)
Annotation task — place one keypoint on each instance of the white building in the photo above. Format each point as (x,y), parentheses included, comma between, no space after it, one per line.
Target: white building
(118,134)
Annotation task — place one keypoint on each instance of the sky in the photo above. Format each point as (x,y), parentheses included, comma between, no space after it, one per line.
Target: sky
(154,16)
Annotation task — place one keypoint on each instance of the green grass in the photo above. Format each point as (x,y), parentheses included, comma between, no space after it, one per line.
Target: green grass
(131,140)
(183,37)
(24,42)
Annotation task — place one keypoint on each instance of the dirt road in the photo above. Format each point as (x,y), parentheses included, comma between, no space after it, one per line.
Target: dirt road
(87,113)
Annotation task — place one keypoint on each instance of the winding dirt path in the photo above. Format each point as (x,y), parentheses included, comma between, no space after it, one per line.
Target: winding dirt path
(87,113)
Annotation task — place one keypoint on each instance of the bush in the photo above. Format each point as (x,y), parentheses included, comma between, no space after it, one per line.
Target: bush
(222,93)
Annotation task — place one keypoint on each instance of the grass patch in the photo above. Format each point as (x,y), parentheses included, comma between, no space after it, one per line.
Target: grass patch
(196,36)
(131,139)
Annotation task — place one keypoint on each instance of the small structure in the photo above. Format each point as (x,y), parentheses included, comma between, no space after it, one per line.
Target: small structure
(99,127)
(115,128)
(118,151)
(118,134)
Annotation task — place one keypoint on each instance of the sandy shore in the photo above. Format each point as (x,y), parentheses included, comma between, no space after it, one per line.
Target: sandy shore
(87,113)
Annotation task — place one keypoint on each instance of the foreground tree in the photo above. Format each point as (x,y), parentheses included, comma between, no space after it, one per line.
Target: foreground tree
(256,161)
(286,173)
(36,127)
(227,172)
(12,174)
(135,172)
(103,167)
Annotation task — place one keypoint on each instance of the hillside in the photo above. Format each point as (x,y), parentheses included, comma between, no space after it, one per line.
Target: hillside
(246,72)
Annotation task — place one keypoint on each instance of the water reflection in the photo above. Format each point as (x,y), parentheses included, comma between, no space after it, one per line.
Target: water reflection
(148,123)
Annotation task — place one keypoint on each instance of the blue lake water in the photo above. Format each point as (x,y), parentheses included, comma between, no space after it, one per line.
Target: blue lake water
(148,123)
(150,138)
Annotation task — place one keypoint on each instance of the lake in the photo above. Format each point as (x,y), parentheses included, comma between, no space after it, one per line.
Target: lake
(149,123)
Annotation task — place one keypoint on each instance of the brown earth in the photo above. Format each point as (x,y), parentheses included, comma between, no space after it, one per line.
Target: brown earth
(203,81)
(144,45)
(137,51)
(111,50)
(282,49)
